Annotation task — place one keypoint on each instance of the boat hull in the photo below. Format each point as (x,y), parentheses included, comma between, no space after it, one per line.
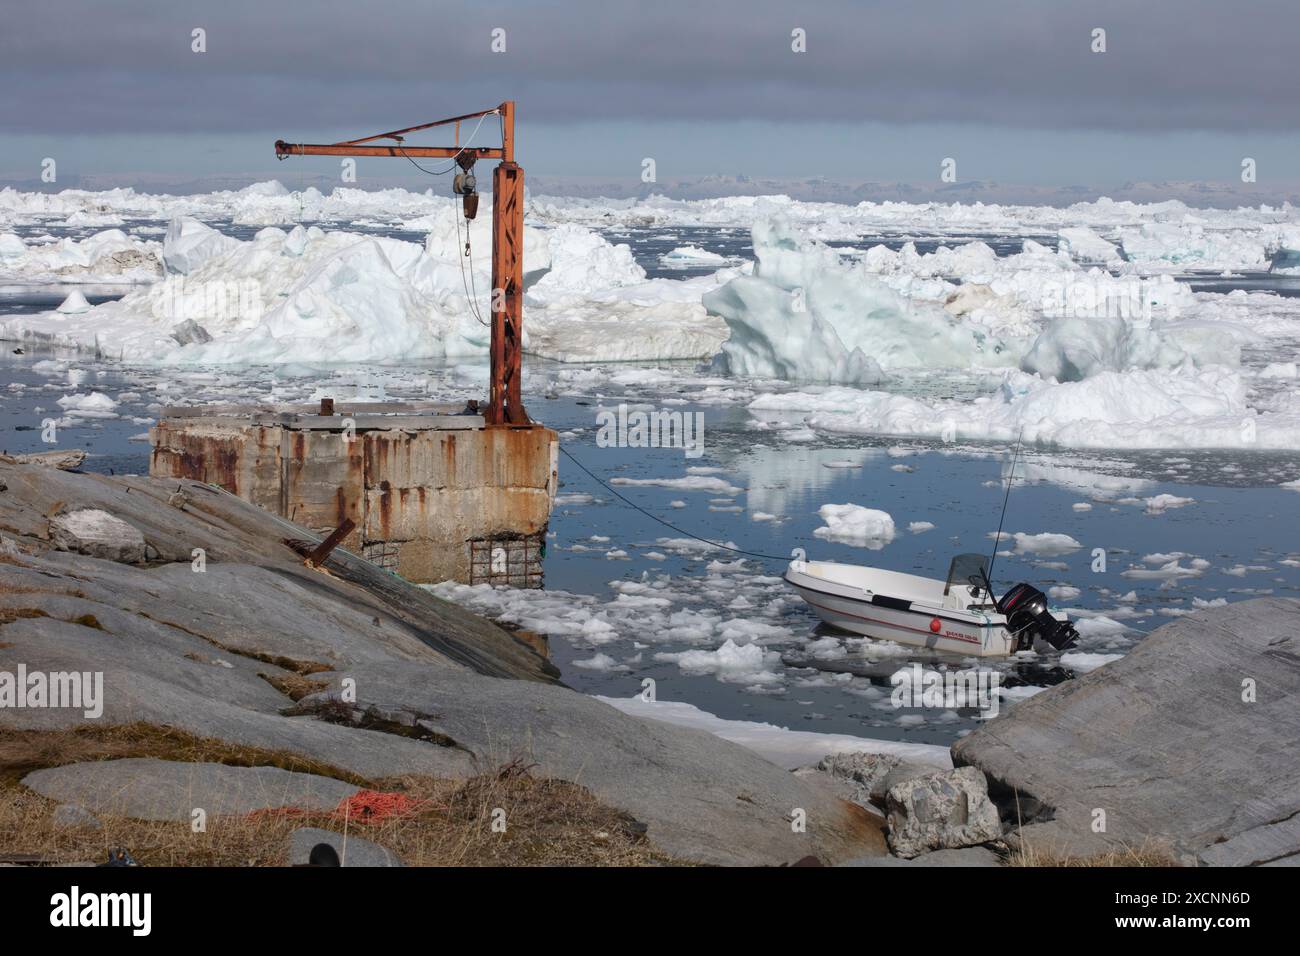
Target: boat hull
(883,618)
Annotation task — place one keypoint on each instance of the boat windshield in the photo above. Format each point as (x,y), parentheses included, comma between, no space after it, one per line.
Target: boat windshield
(967,569)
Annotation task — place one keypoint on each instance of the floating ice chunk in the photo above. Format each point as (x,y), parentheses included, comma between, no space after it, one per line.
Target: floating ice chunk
(1162,502)
(688,483)
(917,527)
(1098,625)
(1280,370)
(1171,571)
(600,662)
(856,525)
(731,663)
(1063,592)
(1047,544)
(94,405)
(692,256)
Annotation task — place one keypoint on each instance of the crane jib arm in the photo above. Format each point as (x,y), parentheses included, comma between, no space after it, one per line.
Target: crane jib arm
(505,404)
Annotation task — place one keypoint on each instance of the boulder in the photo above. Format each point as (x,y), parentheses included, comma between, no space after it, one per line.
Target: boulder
(64,458)
(942,810)
(868,776)
(1186,743)
(98,534)
(145,788)
(352,851)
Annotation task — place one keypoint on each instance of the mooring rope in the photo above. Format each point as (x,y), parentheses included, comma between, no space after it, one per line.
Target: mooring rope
(668,524)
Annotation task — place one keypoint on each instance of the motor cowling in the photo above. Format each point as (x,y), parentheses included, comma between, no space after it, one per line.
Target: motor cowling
(1025,608)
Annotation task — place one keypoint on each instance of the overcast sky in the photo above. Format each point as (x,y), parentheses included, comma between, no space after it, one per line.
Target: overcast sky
(884,91)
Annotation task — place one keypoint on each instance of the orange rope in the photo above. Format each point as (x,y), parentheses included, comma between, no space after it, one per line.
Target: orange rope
(364,806)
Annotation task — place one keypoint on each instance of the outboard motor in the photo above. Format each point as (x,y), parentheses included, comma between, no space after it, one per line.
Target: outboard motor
(1026,612)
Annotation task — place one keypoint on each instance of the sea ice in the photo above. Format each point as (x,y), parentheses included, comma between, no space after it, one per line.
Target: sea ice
(856,525)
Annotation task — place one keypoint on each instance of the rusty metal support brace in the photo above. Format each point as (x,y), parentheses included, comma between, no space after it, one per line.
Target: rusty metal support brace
(317,557)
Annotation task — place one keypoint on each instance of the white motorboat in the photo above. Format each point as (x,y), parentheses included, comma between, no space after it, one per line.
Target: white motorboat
(959,615)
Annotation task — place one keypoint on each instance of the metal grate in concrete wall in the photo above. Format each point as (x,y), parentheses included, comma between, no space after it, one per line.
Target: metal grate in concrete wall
(515,561)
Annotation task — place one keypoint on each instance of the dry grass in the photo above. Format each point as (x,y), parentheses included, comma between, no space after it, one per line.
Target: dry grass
(22,751)
(294,686)
(1152,855)
(547,822)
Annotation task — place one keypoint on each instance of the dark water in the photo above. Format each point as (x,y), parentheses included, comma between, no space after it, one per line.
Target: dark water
(1241,523)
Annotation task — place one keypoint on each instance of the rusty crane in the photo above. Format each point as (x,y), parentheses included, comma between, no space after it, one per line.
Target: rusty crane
(505,405)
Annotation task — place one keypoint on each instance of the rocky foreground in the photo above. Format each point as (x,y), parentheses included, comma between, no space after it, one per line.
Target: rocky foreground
(221,645)
(1187,743)
(202,616)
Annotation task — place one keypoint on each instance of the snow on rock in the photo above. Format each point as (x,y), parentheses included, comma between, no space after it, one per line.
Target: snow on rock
(1181,408)
(856,525)
(1082,662)
(787,748)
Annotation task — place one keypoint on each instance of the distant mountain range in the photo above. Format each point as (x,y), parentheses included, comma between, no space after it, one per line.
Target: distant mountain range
(816,189)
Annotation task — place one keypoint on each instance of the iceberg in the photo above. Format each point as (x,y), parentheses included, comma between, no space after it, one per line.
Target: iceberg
(311,296)
(806,316)
(1072,349)
(189,243)
(108,256)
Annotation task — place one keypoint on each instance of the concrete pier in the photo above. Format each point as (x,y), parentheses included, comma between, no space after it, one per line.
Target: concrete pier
(433,493)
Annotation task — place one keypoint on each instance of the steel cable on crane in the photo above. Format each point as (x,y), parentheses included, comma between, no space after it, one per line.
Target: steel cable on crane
(470,296)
